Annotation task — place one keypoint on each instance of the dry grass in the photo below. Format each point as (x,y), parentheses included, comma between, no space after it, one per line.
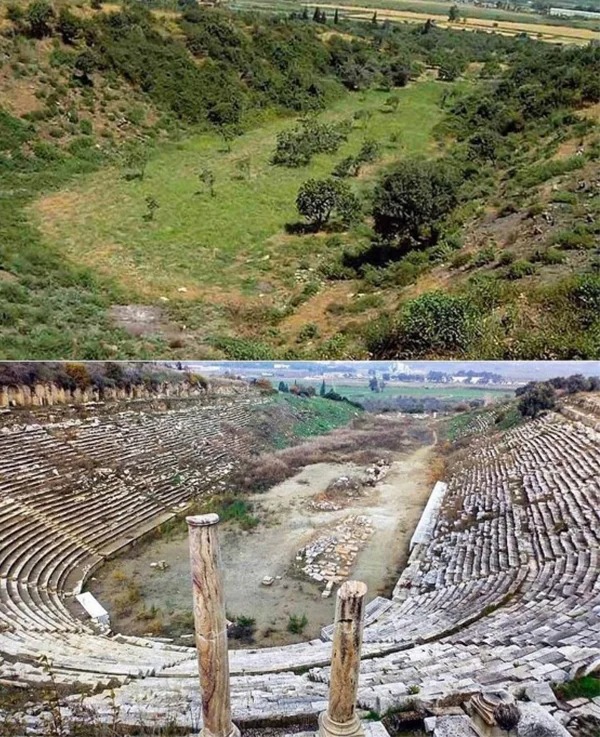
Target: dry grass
(364,441)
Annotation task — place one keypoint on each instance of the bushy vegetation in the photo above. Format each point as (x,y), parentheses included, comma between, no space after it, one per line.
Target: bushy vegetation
(538,396)
(433,324)
(207,69)
(587,687)
(97,376)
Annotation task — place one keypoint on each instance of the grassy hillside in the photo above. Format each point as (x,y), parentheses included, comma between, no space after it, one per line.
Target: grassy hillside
(142,213)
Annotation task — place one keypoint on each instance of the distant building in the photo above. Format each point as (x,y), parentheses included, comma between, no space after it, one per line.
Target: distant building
(571,13)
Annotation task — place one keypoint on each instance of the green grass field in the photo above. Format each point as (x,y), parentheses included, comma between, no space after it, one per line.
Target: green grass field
(229,241)
(455,392)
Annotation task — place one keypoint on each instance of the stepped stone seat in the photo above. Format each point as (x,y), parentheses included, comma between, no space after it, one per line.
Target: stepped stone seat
(505,590)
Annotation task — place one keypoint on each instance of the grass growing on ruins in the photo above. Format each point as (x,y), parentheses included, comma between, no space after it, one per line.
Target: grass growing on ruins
(230,509)
(319,416)
(297,623)
(587,687)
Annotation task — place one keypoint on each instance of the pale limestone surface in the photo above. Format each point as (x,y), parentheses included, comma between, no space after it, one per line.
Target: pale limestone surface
(506,592)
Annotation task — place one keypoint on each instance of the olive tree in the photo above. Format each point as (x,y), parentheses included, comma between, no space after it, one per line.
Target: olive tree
(319,199)
(413,198)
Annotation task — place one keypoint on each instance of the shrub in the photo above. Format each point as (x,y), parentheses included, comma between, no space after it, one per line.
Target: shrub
(484,256)
(519,269)
(432,323)
(68,26)
(79,373)
(308,332)
(460,259)
(584,295)
(506,258)
(243,629)
(587,687)
(348,167)
(549,257)
(39,17)
(296,624)
(369,151)
(579,238)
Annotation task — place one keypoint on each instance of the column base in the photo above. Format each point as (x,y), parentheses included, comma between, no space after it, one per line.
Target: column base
(329,728)
(235,732)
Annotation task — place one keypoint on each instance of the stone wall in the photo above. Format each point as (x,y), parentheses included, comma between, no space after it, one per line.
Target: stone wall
(49,394)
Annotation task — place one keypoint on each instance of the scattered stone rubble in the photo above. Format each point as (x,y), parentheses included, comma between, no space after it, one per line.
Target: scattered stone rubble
(331,555)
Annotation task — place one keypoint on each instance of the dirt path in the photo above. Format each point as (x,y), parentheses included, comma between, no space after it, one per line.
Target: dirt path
(288,523)
(393,506)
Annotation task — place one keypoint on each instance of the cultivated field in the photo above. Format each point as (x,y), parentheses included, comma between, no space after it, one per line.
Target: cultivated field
(542,30)
(555,30)
(358,392)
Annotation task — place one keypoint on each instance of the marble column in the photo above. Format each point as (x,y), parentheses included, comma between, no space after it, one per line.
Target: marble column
(340,719)
(211,626)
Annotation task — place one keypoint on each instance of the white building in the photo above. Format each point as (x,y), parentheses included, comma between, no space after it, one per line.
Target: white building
(571,13)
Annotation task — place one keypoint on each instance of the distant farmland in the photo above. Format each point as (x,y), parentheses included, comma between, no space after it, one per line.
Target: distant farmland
(471,18)
(457,392)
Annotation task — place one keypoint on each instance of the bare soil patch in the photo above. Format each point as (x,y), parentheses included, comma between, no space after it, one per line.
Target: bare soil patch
(288,523)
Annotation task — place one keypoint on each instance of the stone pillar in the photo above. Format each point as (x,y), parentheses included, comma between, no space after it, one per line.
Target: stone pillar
(340,719)
(211,626)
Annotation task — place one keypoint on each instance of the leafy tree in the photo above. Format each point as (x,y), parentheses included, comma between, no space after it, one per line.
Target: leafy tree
(283,387)
(537,397)
(413,197)
(336,17)
(295,147)
(227,133)
(323,389)
(317,15)
(136,160)
(453,14)
(68,26)
(39,17)
(374,19)
(318,199)
(84,66)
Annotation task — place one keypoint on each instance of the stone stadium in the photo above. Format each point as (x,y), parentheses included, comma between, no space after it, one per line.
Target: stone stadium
(499,601)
